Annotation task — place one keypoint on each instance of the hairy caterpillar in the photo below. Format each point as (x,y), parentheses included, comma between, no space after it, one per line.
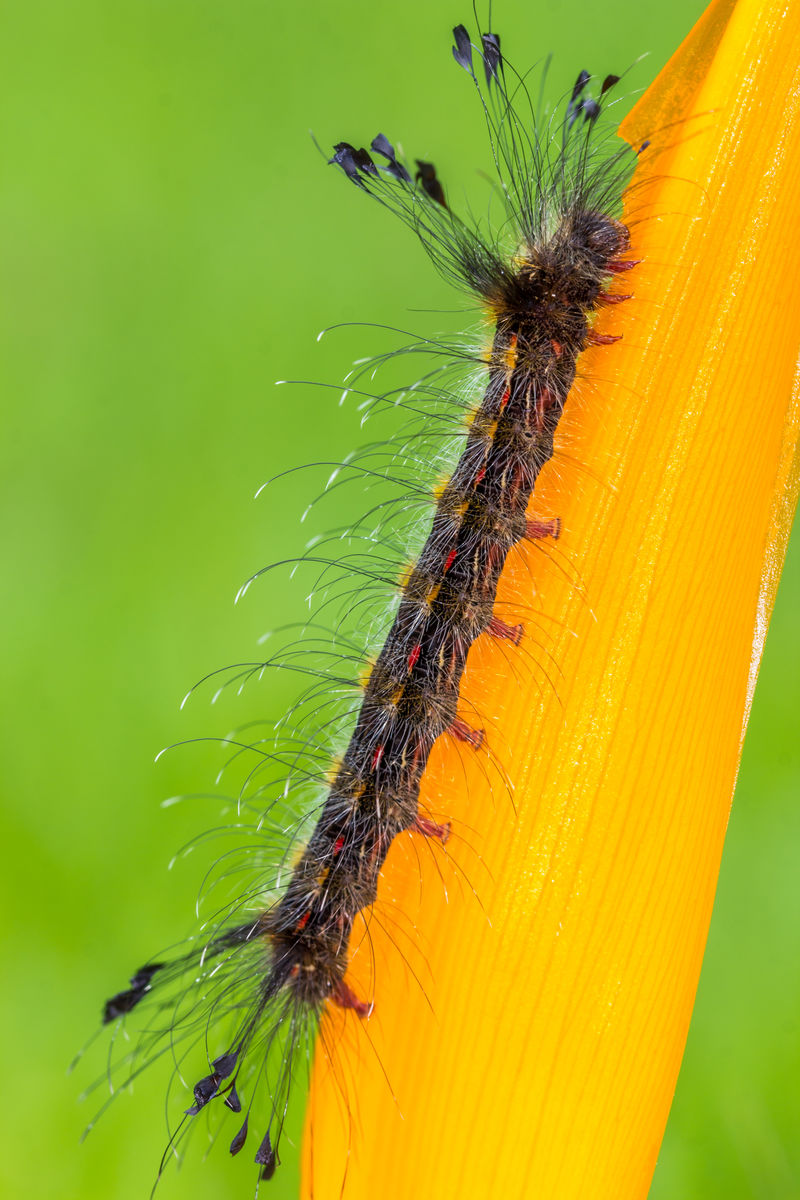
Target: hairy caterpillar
(263,975)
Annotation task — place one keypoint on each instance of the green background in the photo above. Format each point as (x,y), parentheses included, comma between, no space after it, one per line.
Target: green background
(171,243)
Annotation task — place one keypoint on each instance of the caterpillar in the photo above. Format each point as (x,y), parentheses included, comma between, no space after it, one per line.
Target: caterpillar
(254,985)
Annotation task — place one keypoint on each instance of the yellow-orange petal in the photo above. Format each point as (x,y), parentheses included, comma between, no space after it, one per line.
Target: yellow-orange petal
(533,987)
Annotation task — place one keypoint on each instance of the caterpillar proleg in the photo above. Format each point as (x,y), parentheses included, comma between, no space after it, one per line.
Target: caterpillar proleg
(254,983)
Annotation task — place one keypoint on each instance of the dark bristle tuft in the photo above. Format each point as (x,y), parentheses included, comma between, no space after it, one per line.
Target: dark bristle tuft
(125,1001)
(579,86)
(492,58)
(144,976)
(240,1139)
(353,162)
(381,145)
(265,1157)
(204,1090)
(426,175)
(462,51)
(225,1065)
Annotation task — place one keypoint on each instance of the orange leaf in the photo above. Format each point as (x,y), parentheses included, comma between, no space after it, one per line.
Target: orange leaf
(531,1010)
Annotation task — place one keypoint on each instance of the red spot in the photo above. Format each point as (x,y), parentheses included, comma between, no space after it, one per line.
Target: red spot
(430,829)
(557,347)
(495,555)
(544,400)
(451,558)
(480,476)
(542,529)
(413,657)
(375,851)
(295,971)
(338,844)
(465,733)
(301,924)
(512,488)
(608,298)
(345,997)
(509,633)
(377,756)
(506,396)
(602,339)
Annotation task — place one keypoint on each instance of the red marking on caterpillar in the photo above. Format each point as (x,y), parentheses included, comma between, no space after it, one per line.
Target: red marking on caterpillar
(619,265)
(461,730)
(510,633)
(535,530)
(603,339)
(345,997)
(431,829)
(256,984)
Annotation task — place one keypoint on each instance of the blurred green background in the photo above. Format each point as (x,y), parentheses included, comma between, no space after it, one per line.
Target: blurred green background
(171,243)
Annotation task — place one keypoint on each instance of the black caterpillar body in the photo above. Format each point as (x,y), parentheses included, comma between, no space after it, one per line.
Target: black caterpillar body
(270,976)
